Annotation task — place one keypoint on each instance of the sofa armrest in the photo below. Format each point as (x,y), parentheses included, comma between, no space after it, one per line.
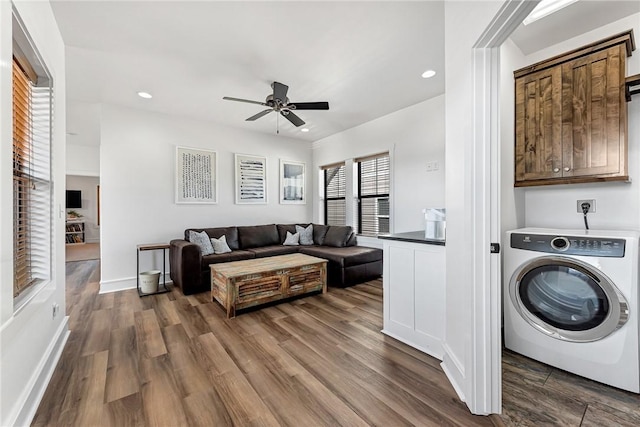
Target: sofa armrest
(185,265)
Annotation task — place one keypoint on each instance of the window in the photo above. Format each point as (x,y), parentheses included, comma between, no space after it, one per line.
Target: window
(32,185)
(335,190)
(373,195)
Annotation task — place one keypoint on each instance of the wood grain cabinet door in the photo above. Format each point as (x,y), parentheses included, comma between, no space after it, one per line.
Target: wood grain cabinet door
(594,115)
(538,116)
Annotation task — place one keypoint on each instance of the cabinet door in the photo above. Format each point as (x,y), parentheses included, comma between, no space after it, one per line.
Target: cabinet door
(538,114)
(594,115)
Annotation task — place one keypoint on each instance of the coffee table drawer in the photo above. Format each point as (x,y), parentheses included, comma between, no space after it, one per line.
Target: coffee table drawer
(305,280)
(253,289)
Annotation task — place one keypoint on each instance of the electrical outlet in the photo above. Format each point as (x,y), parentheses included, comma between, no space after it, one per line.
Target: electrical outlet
(592,208)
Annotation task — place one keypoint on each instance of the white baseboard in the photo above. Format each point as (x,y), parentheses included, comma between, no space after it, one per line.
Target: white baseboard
(42,376)
(117,285)
(454,371)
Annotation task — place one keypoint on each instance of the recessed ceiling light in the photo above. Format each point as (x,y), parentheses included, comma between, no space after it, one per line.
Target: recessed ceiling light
(145,95)
(428,74)
(546,7)
(304,130)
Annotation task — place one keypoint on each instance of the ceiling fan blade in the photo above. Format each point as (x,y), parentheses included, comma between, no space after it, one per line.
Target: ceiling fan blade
(309,105)
(228,98)
(280,91)
(297,121)
(260,114)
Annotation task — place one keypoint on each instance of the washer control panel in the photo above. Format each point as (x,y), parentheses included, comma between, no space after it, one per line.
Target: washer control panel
(569,245)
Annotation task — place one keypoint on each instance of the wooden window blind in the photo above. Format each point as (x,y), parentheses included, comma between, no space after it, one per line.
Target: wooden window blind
(335,191)
(31,180)
(373,195)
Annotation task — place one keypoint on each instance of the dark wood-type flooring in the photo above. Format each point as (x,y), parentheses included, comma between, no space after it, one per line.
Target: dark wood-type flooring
(171,360)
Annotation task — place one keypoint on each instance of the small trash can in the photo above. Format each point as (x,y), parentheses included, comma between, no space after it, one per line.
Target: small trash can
(149,281)
(435,221)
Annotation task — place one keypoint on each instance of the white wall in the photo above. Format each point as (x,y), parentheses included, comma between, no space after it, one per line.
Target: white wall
(617,204)
(512,199)
(89,211)
(137,168)
(82,159)
(413,136)
(30,337)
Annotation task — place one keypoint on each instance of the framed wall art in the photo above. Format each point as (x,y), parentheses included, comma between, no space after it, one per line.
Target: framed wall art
(292,178)
(251,179)
(196,175)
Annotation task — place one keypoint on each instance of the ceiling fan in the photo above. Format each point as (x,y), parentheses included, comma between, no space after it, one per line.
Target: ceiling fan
(279,103)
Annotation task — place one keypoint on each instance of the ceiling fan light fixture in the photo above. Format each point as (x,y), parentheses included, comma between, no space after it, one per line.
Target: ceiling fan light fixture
(428,74)
(145,95)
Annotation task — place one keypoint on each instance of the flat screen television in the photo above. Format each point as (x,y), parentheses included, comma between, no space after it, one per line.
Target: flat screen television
(74,199)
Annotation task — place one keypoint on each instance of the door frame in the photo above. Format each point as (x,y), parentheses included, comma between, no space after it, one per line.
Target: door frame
(485,386)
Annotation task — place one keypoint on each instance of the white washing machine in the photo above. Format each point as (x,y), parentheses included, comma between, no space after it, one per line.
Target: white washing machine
(571,301)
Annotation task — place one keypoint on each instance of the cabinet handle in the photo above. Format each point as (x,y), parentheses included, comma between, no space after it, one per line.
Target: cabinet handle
(567,168)
(556,170)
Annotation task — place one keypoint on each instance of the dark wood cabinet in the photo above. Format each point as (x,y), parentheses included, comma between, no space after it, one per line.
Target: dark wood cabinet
(571,116)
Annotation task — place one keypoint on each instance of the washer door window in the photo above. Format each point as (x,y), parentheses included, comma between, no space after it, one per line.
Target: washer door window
(568,299)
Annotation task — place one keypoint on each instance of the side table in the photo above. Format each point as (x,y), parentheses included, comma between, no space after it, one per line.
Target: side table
(162,287)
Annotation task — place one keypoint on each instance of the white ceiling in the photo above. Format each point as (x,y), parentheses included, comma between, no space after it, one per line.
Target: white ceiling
(364,58)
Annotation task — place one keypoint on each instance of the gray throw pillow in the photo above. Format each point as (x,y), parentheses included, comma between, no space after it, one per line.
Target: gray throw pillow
(292,239)
(220,245)
(201,239)
(306,234)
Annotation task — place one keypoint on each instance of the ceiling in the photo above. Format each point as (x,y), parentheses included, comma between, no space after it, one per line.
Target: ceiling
(364,58)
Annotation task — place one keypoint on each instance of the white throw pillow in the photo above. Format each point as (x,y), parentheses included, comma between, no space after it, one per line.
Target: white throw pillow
(220,245)
(306,234)
(201,239)
(292,239)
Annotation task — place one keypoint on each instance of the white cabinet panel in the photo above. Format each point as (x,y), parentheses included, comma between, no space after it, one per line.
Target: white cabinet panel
(401,294)
(414,294)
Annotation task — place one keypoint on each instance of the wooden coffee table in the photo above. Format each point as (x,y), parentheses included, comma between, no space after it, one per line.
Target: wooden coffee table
(242,284)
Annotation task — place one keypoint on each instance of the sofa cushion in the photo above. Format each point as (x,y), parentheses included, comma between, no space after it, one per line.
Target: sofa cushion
(352,241)
(319,233)
(203,241)
(220,245)
(258,235)
(274,250)
(231,234)
(346,256)
(337,236)
(282,231)
(291,239)
(228,257)
(306,234)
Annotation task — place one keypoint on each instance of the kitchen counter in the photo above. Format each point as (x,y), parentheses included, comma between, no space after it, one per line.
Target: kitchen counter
(412,236)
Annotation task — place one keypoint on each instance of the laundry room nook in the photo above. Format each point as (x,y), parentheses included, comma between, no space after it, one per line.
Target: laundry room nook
(570,222)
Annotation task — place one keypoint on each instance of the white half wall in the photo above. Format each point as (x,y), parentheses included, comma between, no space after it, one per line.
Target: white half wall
(31,338)
(617,203)
(88,185)
(137,175)
(413,136)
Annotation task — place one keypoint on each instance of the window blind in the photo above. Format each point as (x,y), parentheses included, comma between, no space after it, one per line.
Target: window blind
(373,195)
(335,191)
(31,180)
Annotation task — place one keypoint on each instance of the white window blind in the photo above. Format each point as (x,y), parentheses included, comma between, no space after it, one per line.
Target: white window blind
(335,190)
(373,195)
(32,184)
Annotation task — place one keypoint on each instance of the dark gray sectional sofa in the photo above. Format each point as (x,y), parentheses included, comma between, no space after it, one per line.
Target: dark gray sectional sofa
(347,264)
